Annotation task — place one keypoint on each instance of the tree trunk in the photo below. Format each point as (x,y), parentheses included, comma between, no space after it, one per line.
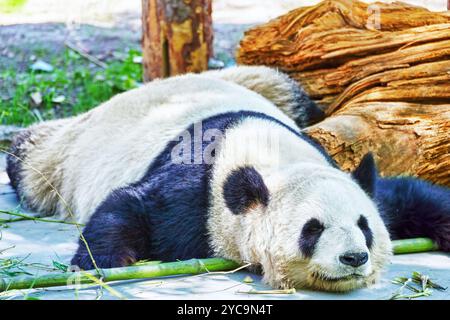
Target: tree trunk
(381,74)
(176,38)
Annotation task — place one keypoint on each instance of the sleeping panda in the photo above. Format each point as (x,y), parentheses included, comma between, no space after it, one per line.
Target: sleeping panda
(216,164)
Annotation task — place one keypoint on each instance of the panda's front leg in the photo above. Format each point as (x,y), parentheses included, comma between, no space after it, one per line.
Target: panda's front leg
(116,235)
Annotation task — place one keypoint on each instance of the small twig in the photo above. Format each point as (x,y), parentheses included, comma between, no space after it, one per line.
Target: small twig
(425,293)
(86,55)
(248,264)
(104,286)
(5,249)
(26,217)
(285,291)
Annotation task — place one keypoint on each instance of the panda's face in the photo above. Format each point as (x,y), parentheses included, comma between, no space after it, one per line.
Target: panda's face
(342,241)
(314,228)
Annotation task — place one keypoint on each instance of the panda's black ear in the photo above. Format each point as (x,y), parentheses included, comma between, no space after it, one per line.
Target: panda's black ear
(244,188)
(366,174)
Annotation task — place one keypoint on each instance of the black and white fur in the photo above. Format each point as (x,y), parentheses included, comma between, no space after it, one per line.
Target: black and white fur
(270,196)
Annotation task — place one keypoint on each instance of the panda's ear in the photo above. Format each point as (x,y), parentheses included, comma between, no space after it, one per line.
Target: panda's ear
(366,174)
(244,188)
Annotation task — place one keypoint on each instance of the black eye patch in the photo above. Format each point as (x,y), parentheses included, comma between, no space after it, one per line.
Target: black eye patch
(309,237)
(364,226)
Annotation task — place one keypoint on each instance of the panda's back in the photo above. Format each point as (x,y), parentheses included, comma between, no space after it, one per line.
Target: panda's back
(114,144)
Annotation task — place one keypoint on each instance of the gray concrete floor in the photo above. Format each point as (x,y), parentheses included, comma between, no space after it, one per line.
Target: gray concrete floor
(42,242)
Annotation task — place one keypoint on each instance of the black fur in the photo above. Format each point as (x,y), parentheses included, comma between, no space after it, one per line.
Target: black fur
(162,216)
(244,188)
(411,207)
(366,174)
(15,158)
(306,110)
(118,233)
(363,224)
(309,236)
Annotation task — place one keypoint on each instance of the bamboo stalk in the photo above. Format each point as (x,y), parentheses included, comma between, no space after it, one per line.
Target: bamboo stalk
(413,245)
(188,267)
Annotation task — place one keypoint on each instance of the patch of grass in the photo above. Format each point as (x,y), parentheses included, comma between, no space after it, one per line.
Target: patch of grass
(9,6)
(74,86)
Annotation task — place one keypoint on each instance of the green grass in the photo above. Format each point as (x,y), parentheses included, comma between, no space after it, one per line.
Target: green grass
(9,6)
(82,85)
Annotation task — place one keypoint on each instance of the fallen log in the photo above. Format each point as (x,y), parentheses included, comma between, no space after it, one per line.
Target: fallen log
(380,72)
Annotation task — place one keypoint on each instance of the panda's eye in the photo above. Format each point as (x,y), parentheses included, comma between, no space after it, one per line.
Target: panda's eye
(363,224)
(309,236)
(313,226)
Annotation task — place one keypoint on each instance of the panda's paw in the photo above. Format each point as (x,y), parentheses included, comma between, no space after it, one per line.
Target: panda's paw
(86,262)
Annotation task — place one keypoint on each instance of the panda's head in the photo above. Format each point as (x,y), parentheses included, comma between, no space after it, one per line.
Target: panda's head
(308,226)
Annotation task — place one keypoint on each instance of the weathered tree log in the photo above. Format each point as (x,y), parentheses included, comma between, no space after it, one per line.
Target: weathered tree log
(381,73)
(176,38)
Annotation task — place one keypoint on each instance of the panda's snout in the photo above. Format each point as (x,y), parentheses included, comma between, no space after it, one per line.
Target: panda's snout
(354,259)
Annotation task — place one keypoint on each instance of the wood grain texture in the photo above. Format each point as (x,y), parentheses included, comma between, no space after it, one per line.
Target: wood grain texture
(381,73)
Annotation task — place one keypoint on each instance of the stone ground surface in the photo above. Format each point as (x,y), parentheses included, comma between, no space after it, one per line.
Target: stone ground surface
(43,242)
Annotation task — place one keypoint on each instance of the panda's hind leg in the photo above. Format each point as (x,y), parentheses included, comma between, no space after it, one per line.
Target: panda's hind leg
(414,208)
(117,234)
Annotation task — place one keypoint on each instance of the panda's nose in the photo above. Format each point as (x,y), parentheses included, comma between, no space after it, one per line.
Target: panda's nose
(354,259)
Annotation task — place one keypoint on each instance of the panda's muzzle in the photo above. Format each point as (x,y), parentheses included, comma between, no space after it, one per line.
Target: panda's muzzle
(354,259)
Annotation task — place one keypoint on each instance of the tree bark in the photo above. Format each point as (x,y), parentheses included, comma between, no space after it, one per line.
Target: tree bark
(406,138)
(177,37)
(381,74)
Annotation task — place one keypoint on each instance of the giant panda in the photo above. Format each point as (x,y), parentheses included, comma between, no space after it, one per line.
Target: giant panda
(216,164)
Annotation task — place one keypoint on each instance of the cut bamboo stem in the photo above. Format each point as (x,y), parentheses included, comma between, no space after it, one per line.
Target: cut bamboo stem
(413,245)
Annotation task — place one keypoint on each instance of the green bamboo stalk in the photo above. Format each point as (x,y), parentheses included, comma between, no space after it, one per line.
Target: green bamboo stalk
(413,245)
(188,267)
